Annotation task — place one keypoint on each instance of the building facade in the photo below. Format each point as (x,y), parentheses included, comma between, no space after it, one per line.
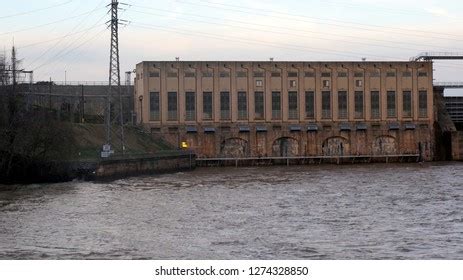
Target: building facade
(285,109)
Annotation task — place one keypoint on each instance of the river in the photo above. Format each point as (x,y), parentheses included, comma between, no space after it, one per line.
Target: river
(378,211)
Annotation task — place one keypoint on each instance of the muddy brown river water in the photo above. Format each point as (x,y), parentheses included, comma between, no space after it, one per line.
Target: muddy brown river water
(403,211)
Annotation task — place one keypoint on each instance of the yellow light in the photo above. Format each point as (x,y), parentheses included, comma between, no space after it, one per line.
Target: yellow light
(184,145)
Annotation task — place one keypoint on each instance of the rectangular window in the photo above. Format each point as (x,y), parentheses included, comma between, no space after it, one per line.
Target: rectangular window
(342,74)
(190,106)
(326,104)
(259,105)
(259,83)
(292,83)
(172,106)
(276,105)
(154,106)
(390,74)
(310,104)
(422,74)
(407,104)
(258,74)
(225,105)
(358,99)
(171,74)
(190,74)
(241,74)
(359,83)
(423,103)
(326,74)
(224,74)
(407,74)
(375,74)
(275,74)
(242,105)
(342,104)
(358,74)
(292,74)
(391,106)
(207,105)
(154,74)
(375,108)
(292,104)
(326,83)
(208,74)
(309,74)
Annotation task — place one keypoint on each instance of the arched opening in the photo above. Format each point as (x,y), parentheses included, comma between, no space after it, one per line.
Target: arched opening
(336,146)
(234,148)
(285,147)
(385,145)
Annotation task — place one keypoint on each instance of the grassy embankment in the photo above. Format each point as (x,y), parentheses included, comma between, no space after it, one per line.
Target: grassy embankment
(89,139)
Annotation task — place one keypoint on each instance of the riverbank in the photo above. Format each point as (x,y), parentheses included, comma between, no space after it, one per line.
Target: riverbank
(80,158)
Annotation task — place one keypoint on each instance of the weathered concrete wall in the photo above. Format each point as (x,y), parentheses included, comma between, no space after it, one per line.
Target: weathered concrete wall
(329,140)
(457,145)
(120,168)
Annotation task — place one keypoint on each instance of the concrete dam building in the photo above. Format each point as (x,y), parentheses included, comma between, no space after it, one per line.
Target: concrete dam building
(289,109)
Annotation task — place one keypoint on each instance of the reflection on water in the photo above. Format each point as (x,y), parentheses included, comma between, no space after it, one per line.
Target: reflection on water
(302,212)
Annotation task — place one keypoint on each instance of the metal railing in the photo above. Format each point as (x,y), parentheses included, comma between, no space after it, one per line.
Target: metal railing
(437,55)
(78,83)
(448,84)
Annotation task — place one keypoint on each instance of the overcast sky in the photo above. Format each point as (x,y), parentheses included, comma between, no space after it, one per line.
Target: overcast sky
(54,36)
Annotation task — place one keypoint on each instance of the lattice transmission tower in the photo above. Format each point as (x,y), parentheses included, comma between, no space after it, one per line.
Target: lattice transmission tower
(114,119)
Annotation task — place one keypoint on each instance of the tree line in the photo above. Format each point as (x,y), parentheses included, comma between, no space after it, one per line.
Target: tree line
(30,137)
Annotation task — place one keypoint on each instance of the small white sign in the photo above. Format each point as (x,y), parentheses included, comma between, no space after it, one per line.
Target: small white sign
(105,154)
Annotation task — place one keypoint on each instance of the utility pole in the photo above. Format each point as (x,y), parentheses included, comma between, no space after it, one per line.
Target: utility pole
(114,96)
(13,64)
(31,85)
(49,95)
(130,98)
(82,102)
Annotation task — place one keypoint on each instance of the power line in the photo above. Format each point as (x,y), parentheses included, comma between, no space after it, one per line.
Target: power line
(46,24)
(251,41)
(37,10)
(270,29)
(290,29)
(76,55)
(338,23)
(259,42)
(54,39)
(69,45)
(50,62)
(69,51)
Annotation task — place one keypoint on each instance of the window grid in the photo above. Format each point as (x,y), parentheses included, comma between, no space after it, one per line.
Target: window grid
(172,112)
(358,101)
(310,104)
(154,106)
(242,106)
(391,104)
(407,104)
(326,104)
(225,105)
(190,106)
(423,104)
(375,102)
(276,105)
(342,104)
(292,104)
(207,106)
(259,105)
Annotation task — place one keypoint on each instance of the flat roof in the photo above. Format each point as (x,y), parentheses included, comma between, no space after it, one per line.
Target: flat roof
(285,61)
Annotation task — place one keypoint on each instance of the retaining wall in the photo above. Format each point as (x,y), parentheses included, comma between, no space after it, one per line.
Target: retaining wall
(121,168)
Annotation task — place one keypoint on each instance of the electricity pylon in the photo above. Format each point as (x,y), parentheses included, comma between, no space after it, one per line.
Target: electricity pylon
(114,119)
